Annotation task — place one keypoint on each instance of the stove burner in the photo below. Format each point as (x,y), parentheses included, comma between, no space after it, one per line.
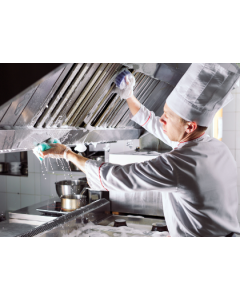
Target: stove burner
(119,223)
(159,227)
(52,208)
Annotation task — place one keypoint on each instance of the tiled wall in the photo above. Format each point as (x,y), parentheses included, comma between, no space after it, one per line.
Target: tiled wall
(231,132)
(17,192)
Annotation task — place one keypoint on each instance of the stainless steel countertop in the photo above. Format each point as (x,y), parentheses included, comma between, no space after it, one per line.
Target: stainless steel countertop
(25,219)
(8,229)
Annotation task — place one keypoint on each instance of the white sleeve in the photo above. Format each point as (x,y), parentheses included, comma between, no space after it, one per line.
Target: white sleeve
(151,123)
(150,175)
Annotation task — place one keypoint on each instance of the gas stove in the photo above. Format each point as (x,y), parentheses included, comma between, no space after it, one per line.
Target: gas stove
(52,208)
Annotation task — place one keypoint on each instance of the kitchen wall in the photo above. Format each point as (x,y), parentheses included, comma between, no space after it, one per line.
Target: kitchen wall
(231,132)
(17,192)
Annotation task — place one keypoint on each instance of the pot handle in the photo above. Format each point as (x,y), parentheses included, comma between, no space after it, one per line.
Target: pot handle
(84,190)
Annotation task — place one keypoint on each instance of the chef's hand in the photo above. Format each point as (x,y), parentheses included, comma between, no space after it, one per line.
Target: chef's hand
(56,151)
(125,82)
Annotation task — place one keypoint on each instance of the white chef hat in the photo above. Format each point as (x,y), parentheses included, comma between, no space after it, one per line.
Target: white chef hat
(202,91)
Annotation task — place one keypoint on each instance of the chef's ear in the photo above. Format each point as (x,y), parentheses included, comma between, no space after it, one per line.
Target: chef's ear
(191,127)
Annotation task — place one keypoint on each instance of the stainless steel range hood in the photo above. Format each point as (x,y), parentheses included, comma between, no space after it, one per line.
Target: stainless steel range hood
(77,103)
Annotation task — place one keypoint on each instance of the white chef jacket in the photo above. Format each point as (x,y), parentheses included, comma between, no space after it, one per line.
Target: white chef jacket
(198,180)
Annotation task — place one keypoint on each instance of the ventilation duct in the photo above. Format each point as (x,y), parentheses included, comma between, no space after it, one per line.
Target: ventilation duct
(77,103)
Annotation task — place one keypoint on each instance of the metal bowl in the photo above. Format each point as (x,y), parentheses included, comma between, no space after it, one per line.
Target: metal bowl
(70,187)
(73,202)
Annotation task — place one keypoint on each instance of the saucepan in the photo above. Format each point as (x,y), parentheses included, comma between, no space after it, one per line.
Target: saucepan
(70,187)
(73,202)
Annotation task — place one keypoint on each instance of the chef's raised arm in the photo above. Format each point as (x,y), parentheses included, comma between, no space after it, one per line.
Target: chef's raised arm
(150,175)
(125,82)
(151,123)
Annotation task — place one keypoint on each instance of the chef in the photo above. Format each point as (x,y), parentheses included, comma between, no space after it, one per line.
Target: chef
(198,178)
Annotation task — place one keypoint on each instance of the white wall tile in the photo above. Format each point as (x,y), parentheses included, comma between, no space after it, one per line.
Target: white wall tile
(27,184)
(44,198)
(237,101)
(237,136)
(13,201)
(231,107)
(237,121)
(60,177)
(2,157)
(238,158)
(45,185)
(48,184)
(37,199)
(27,200)
(229,121)
(229,138)
(37,165)
(3,203)
(3,183)
(37,183)
(13,184)
(238,177)
(31,157)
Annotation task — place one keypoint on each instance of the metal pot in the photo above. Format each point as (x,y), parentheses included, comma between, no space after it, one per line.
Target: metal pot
(73,202)
(70,187)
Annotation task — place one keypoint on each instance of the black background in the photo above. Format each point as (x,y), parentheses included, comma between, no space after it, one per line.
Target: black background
(16,77)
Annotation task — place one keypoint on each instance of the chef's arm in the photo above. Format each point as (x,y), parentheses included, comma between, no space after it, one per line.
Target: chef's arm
(57,151)
(150,175)
(148,120)
(77,160)
(134,105)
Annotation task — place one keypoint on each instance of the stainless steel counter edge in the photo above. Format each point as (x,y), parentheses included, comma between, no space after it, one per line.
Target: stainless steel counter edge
(24,219)
(30,212)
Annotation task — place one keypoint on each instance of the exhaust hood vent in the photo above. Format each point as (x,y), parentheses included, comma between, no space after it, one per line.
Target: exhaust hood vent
(78,102)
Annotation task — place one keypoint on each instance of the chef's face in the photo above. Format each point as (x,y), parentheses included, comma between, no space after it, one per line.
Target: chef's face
(173,125)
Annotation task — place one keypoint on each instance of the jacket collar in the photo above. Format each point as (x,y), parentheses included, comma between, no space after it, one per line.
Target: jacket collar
(198,139)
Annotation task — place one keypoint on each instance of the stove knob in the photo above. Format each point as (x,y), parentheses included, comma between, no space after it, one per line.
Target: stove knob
(159,227)
(119,223)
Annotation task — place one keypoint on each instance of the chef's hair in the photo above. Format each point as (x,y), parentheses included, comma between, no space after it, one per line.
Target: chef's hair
(199,128)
